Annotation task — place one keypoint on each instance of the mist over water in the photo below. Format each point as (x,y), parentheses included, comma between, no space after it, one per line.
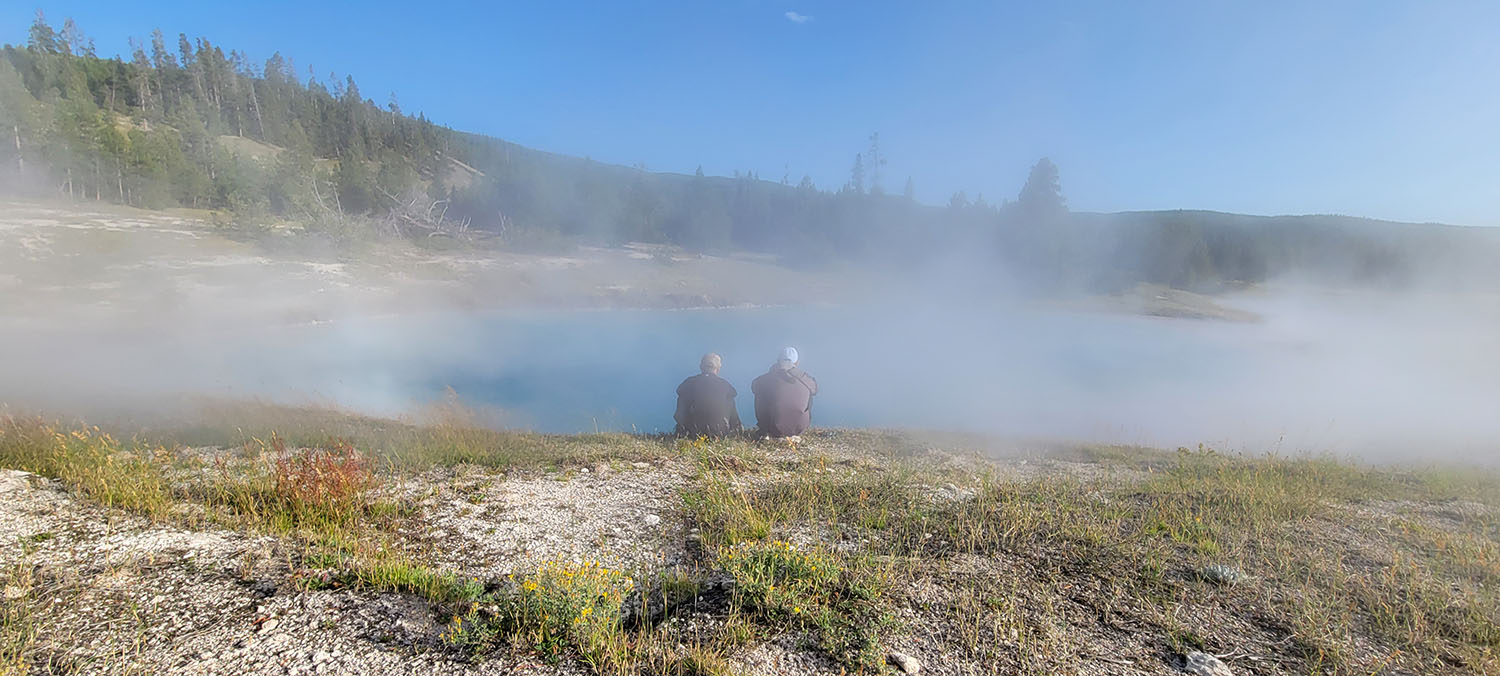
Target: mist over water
(1357,374)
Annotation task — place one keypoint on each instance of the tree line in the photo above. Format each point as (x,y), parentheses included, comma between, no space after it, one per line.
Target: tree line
(184,123)
(150,131)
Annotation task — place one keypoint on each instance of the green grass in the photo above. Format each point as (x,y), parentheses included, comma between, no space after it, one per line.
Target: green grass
(565,609)
(785,587)
(561,607)
(127,475)
(445,436)
(393,573)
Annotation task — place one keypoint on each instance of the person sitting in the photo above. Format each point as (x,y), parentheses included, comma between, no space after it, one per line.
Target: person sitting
(783,397)
(705,402)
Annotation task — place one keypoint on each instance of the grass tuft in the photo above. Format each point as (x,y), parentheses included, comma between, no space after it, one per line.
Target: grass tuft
(127,475)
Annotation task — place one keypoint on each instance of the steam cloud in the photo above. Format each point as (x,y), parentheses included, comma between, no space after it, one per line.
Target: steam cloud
(1382,375)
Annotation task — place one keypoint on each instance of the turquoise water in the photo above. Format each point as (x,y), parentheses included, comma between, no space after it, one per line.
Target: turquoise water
(1043,373)
(1339,373)
(1331,375)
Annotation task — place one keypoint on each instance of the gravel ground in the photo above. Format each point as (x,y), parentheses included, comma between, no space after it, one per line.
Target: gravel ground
(623,515)
(113,594)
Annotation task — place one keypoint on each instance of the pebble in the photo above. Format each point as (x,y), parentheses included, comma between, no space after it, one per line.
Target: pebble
(641,465)
(13,593)
(269,625)
(906,663)
(1221,575)
(321,656)
(652,519)
(1204,664)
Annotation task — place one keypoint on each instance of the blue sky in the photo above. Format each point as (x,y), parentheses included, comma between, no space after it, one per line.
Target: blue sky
(1370,108)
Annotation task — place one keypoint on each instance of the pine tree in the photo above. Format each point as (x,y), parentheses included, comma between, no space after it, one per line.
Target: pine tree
(18,111)
(41,39)
(72,40)
(875,163)
(1041,197)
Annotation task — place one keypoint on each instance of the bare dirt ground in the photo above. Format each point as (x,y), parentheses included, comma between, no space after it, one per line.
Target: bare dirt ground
(116,594)
(109,591)
(80,265)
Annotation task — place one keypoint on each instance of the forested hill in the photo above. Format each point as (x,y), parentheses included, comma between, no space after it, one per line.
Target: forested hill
(182,122)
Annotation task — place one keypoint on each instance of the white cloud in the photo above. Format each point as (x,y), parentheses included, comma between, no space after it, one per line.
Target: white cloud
(798,18)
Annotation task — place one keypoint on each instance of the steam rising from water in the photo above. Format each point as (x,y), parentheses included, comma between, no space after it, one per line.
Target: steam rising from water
(1409,378)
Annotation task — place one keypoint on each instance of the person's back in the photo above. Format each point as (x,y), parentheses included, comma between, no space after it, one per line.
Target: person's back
(783,398)
(705,402)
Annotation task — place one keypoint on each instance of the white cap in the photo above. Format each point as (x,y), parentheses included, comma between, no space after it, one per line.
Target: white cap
(789,354)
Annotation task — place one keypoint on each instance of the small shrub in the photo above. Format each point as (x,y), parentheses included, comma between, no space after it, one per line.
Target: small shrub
(776,579)
(569,603)
(334,477)
(562,606)
(783,586)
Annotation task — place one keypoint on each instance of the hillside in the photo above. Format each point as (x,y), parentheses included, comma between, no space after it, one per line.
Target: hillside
(184,124)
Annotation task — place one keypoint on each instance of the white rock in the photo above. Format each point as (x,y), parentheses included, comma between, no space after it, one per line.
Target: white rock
(641,465)
(903,662)
(321,656)
(269,625)
(14,481)
(652,519)
(1204,664)
(13,593)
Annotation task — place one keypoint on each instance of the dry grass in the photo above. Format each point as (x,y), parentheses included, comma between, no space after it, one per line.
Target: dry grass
(1132,549)
(17,627)
(863,541)
(127,475)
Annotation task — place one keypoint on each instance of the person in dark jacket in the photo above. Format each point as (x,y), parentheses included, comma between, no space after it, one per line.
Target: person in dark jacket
(705,402)
(783,397)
